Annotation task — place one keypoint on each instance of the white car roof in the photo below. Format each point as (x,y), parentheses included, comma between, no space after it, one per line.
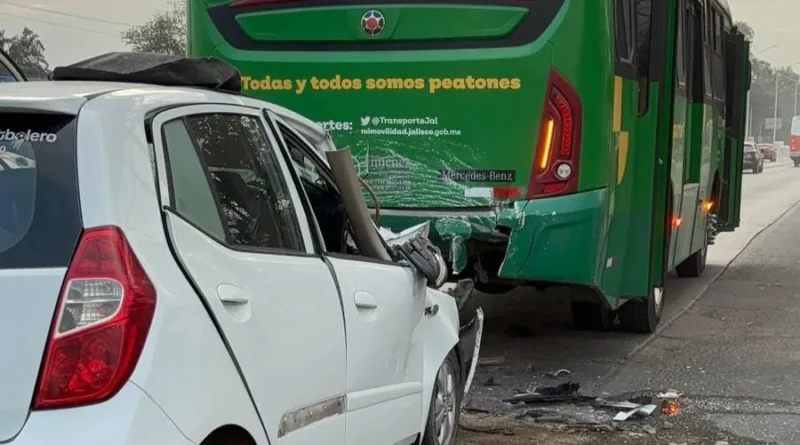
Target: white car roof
(69,97)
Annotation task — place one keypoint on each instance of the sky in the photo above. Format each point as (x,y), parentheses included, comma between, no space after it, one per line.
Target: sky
(69,39)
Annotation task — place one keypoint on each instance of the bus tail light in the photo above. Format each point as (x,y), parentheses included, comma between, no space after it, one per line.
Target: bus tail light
(557,157)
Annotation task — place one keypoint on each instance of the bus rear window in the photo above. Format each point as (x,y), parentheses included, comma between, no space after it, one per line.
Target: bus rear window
(40,219)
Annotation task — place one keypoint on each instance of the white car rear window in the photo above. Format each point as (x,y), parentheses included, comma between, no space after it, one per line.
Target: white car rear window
(40,218)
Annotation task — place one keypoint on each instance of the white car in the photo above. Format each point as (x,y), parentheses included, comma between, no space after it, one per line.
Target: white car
(175,269)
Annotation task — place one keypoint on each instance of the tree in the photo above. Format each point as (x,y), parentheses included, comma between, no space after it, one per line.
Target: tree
(164,33)
(762,93)
(747,30)
(27,50)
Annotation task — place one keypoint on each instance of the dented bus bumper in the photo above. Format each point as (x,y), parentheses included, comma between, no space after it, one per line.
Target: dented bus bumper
(558,239)
(555,239)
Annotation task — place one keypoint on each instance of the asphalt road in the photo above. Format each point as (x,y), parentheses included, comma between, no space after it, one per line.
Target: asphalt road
(729,340)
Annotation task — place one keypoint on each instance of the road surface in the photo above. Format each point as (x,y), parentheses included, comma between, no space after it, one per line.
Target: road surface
(729,342)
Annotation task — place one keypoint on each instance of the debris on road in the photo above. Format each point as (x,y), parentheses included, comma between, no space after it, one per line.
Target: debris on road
(492,361)
(488,405)
(490,382)
(670,403)
(565,392)
(639,411)
(558,373)
(669,394)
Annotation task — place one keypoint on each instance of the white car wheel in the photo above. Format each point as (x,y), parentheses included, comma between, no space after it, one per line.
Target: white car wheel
(442,425)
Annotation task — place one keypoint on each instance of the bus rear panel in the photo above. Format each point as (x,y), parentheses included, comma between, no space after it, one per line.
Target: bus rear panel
(444,105)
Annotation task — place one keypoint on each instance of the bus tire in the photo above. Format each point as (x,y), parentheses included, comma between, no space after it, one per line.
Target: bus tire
(642,316)
(590,316)
(694,266)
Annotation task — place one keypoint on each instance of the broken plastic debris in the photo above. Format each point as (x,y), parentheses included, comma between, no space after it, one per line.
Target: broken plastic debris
(618,405)
(566,392)
(670,403)
(669,394)
(639,411)
(558,373)
(491,361)
(560,390)
(396,239)
(458,254)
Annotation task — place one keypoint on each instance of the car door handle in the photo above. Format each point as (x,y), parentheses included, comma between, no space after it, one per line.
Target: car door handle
(233,295)
(365,300)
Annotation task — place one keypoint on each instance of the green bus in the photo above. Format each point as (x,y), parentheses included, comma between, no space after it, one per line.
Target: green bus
(591,144)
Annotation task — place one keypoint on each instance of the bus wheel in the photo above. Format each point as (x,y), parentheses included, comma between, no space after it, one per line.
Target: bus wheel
(588,316)
(642,316)
(693,266)
(588,311)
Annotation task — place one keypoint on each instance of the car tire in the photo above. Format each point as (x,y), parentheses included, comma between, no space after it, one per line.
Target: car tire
(445,410)
(642,316)
(755,169)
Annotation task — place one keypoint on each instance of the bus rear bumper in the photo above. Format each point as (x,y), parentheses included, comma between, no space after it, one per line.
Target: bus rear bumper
(556,239)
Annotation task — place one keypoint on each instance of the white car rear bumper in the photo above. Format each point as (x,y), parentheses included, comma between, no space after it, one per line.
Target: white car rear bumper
(128,418)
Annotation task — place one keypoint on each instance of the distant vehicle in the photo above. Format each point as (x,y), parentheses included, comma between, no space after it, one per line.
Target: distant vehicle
(794,141)
(768,151)
(753,159)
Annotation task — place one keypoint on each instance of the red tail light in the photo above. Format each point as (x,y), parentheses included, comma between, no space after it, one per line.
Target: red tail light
(557,158)
(793,144)
(100,326)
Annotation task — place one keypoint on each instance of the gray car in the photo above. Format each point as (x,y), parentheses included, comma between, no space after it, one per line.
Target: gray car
(753,159)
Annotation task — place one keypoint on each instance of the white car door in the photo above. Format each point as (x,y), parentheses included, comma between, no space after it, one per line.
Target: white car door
(238,230)
(382,302)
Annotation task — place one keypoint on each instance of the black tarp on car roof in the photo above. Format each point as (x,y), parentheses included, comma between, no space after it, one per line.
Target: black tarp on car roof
(154,69)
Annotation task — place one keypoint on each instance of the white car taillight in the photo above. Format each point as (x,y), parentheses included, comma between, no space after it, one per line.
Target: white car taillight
(101,323)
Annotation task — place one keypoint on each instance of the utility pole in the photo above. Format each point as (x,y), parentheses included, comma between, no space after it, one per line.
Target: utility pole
(775,115)
(749,114)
